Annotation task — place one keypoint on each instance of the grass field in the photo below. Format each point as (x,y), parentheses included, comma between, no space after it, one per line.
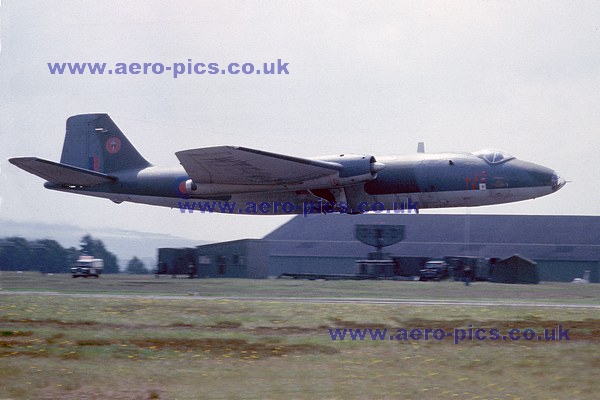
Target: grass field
(262,347)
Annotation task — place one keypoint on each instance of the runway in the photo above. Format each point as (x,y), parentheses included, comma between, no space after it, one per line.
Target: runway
(319,300)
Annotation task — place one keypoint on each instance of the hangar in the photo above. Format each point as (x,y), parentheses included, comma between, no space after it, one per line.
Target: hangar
(564,247)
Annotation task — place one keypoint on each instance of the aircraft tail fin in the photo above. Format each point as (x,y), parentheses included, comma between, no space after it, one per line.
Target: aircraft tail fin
(94,142)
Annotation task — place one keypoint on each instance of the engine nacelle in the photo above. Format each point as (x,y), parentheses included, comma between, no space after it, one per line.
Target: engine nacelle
(190,186)
(356,168)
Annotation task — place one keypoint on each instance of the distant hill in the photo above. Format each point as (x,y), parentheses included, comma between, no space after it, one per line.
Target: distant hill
(124,244)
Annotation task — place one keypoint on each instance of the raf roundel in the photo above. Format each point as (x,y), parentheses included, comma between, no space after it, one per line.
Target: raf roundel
(113,145)
(181,188)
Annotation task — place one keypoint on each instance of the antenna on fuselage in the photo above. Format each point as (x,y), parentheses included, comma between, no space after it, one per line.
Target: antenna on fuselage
(421,147)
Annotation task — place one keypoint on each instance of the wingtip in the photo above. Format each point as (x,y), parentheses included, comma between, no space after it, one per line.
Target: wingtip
(17,160)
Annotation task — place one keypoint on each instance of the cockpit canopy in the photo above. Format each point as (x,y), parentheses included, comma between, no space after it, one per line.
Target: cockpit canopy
(493,156)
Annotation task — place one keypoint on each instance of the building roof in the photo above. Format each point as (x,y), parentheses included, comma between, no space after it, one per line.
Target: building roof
(516,258)
(438,235)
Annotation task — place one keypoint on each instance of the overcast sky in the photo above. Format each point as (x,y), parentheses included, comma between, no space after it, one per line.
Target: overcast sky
(364,77)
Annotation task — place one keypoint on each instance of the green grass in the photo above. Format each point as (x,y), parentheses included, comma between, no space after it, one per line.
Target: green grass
(189,348)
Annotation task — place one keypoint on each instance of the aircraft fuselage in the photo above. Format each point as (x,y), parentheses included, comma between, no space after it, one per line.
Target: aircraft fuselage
(431,180)
(98,160)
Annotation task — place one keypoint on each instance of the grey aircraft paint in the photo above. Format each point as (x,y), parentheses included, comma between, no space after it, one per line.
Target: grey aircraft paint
(98,160)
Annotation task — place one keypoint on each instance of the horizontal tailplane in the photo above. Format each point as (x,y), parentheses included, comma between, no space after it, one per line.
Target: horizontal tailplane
(61,174)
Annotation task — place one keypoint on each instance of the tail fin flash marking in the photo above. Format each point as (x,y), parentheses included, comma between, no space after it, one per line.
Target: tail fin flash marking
(94,164)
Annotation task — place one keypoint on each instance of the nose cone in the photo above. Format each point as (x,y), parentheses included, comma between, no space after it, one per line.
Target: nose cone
(557,181)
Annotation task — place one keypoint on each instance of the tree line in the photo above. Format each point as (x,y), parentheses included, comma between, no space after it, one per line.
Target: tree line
(48,256)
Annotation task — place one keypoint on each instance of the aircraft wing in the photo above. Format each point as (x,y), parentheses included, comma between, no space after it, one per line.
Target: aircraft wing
(244,166)
(61,174)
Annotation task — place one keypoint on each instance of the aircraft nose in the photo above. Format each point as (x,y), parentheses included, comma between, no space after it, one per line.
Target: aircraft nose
(557,181)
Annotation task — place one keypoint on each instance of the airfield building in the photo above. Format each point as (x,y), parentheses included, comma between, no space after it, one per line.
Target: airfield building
(563,247)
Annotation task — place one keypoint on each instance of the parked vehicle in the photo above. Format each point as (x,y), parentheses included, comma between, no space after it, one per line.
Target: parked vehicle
(87,266)
(434,270)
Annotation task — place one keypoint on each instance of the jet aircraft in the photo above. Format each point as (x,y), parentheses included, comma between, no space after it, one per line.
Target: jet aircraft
(98,160)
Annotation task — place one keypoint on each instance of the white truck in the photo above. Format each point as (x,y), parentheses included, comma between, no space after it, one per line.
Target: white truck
(87,266)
